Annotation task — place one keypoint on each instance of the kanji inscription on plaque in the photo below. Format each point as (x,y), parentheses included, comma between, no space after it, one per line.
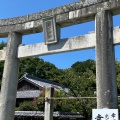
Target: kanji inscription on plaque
(105,114)
(50,30)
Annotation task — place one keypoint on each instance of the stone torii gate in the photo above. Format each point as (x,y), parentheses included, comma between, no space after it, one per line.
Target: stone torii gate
(103,39)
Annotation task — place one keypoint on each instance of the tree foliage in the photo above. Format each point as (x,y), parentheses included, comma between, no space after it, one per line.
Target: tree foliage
(2,44)
(39,68)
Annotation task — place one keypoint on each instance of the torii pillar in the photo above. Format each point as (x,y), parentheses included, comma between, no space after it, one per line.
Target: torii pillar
(10,77)
(105,62)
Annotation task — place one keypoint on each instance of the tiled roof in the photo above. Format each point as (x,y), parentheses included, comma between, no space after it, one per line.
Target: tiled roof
(43,82)
(28,94)
(29,113)
(39,82)
(55,114)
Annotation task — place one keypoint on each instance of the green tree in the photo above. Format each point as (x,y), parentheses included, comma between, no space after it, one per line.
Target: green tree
(2,44)
(81,67)
(39,68)
(82,85)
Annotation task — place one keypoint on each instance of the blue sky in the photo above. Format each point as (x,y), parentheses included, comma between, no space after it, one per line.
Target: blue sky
(13,8)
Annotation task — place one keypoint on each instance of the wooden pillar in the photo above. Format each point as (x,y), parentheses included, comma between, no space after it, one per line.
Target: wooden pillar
(48,104)
(105,61)
(10,78)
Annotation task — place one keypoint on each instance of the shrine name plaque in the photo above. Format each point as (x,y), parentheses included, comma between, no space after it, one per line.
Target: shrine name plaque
(51,31)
